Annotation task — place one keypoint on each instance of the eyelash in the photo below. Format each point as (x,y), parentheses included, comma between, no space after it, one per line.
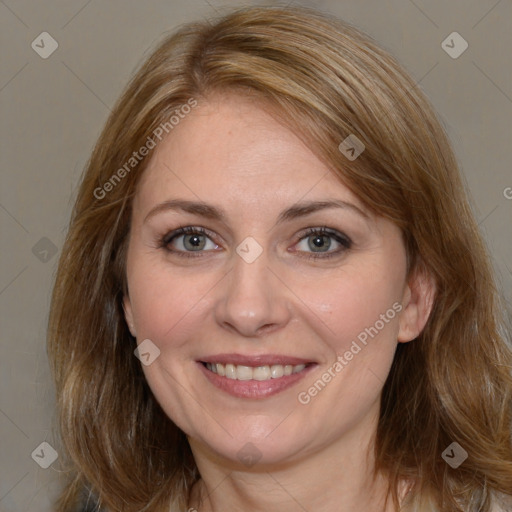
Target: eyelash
(341,238)
(186,230)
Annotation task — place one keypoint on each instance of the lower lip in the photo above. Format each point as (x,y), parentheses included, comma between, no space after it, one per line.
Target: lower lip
(254,388)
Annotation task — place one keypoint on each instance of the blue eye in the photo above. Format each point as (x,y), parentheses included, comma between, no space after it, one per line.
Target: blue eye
(315,243)
(188,240)
(319,242)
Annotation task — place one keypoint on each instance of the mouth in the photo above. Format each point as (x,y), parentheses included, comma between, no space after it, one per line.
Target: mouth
(254,377)
(259,373)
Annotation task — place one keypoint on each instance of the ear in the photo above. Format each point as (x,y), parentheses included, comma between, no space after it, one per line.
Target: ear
(128,315)
(417,301)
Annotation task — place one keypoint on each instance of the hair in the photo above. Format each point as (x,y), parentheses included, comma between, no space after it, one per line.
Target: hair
(326,80)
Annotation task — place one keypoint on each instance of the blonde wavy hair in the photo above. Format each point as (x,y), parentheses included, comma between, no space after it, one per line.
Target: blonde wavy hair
(326,80)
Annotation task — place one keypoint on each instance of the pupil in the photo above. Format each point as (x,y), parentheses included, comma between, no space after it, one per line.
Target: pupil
(194,242)
(320,242)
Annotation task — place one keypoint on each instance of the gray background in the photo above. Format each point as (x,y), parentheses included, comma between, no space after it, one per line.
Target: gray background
(53,110)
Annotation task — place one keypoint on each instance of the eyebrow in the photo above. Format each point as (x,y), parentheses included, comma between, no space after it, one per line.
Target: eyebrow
(214,213)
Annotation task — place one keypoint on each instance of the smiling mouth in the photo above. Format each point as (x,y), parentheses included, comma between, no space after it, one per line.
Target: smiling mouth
(258,373)
(254,376)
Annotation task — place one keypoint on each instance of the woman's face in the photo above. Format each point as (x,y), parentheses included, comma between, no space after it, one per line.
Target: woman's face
(280,267)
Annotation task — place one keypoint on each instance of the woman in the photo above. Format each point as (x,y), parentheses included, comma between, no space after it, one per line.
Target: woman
(273,295)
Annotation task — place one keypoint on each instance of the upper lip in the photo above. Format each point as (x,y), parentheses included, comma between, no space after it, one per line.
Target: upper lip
(259,360)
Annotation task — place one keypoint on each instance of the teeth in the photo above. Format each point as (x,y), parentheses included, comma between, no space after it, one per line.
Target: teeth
(298,368)
(261,373)
(230,371)
(243,372)
(240,372)
(276,371)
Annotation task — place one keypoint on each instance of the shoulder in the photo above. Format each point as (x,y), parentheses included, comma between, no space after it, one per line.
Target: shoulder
(501,503)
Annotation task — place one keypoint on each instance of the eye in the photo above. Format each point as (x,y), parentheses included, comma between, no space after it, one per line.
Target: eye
(323,243)
(188,239)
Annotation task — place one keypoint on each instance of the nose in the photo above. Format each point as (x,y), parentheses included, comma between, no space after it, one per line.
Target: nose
(252,301)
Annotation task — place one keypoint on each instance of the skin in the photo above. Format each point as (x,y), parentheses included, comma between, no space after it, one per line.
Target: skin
(232,154)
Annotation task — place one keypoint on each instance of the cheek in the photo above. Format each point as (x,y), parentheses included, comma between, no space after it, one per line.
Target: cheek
(355,301)
(355,312)
(164,301)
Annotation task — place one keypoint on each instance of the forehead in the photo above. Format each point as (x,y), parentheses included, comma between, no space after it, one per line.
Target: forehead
(231,149)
